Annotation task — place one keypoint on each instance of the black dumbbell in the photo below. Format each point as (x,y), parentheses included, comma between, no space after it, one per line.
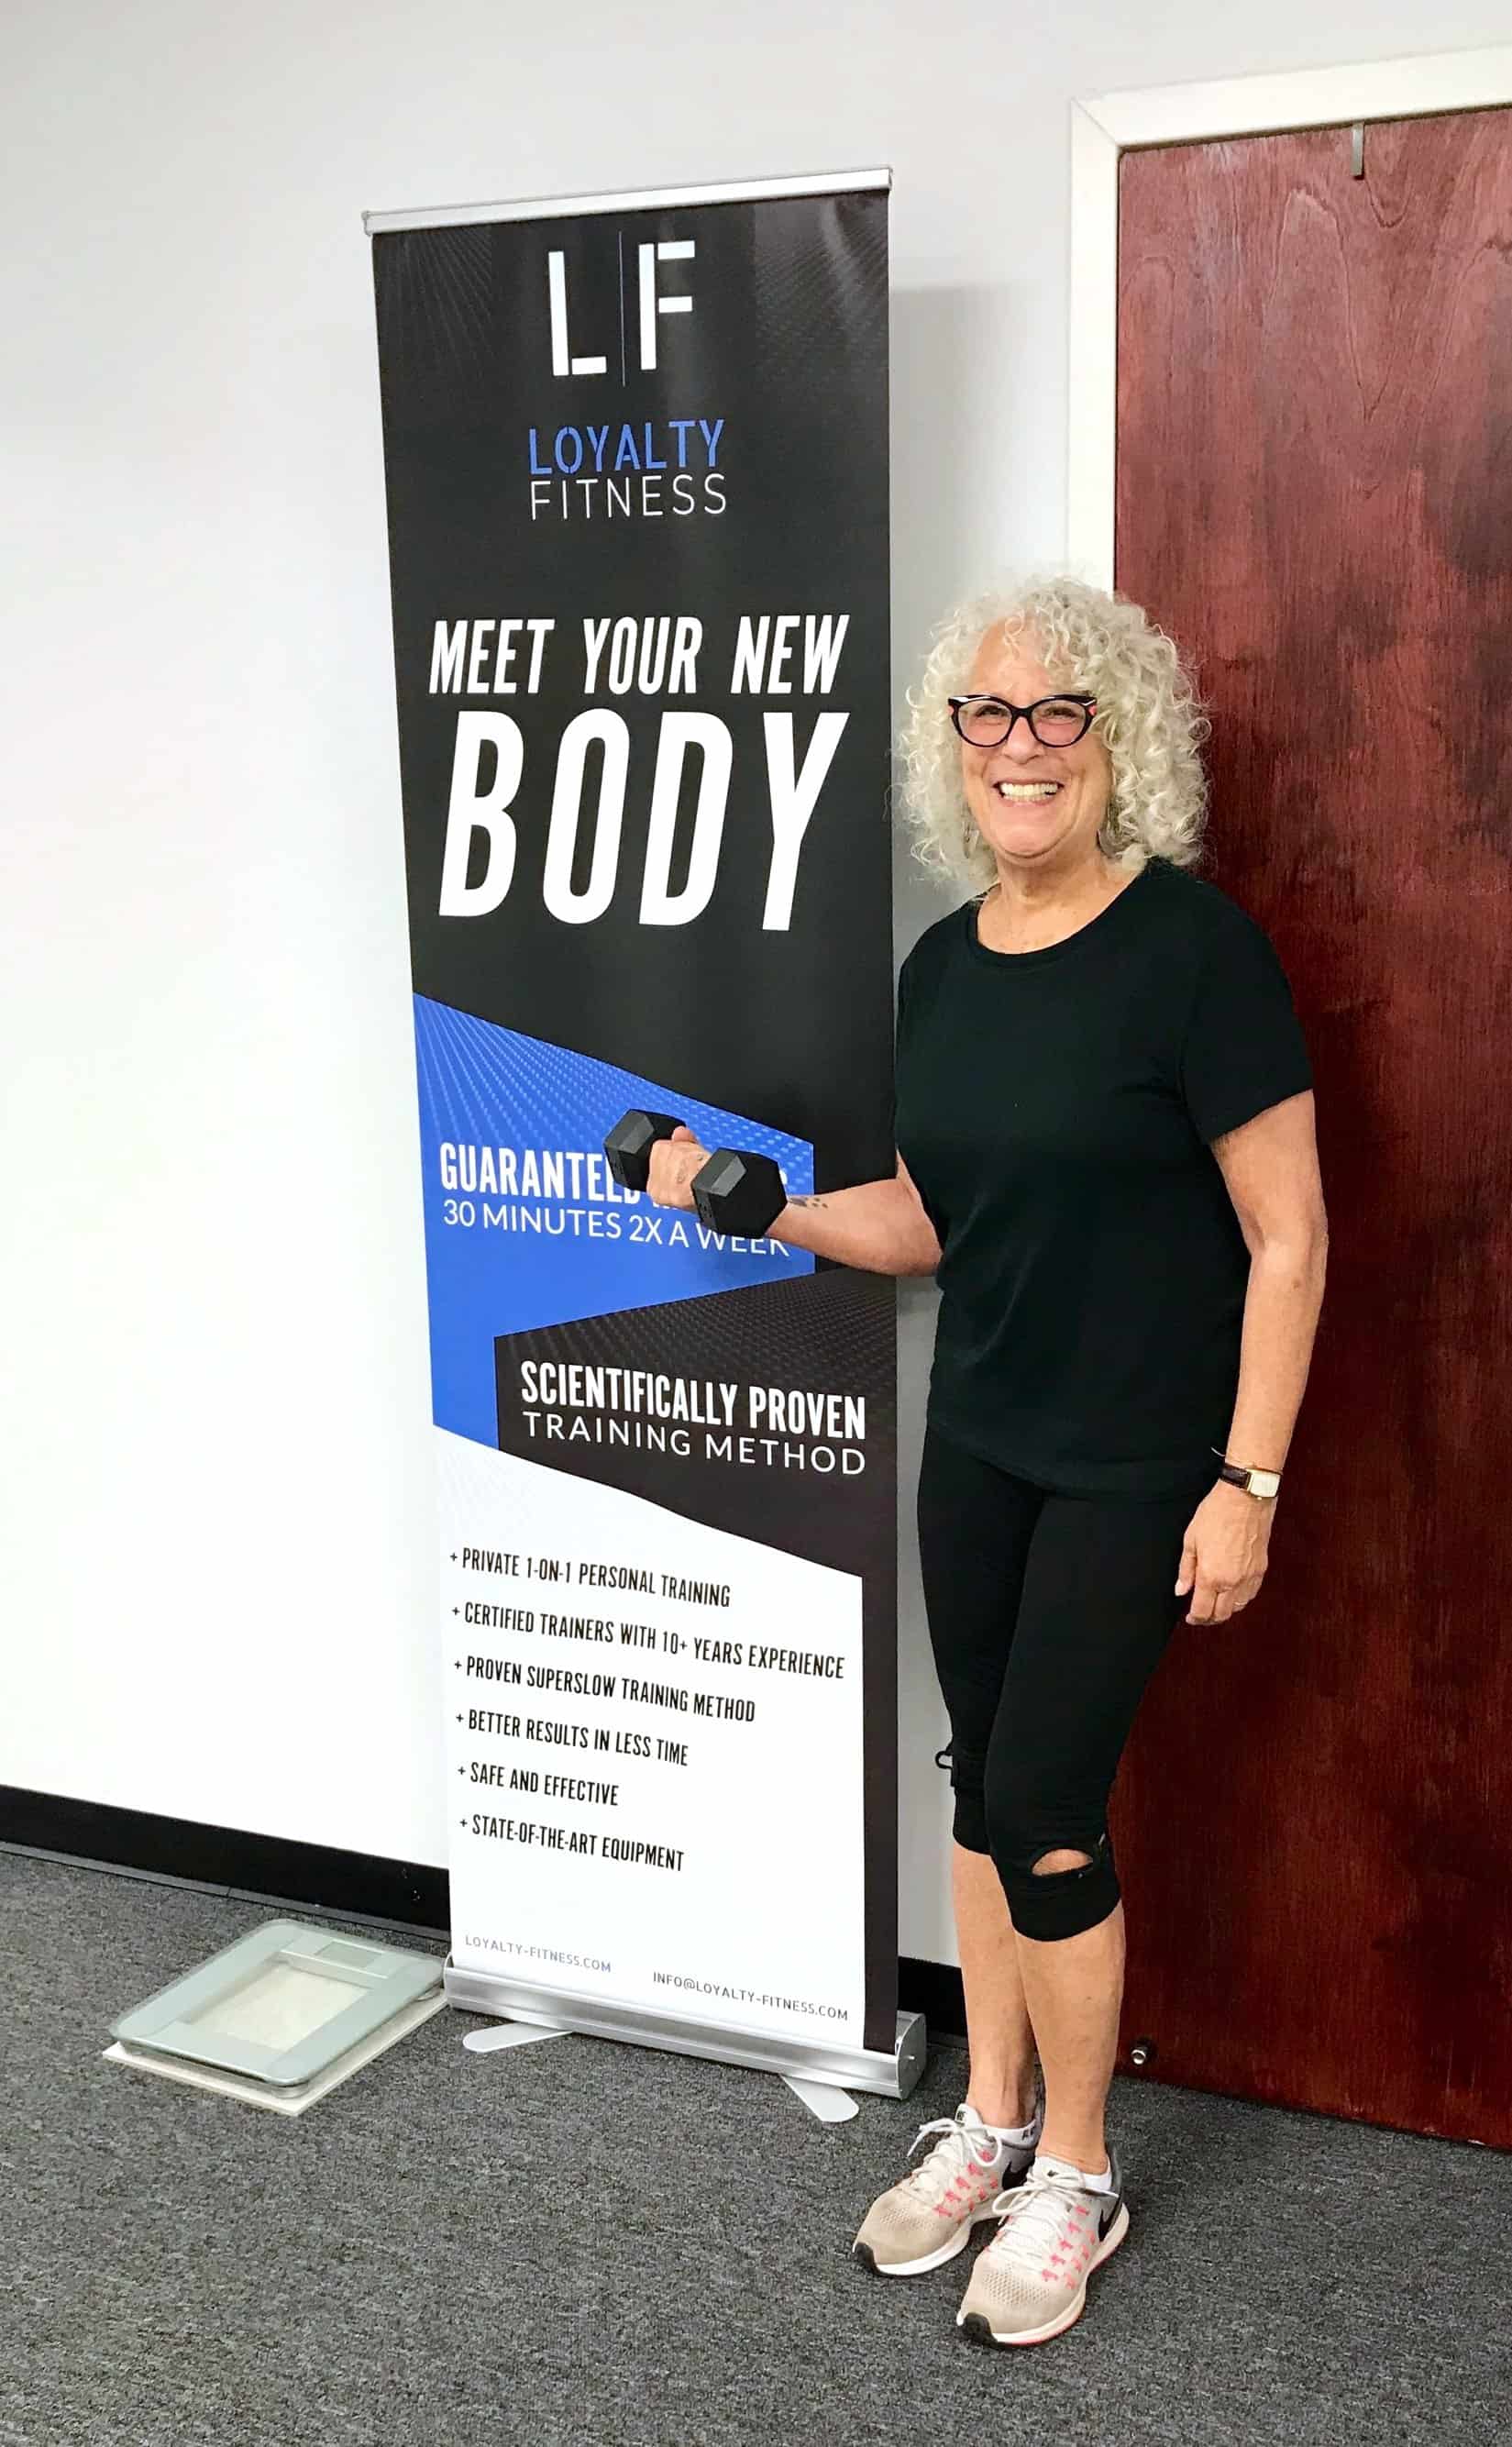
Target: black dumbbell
(733,1193)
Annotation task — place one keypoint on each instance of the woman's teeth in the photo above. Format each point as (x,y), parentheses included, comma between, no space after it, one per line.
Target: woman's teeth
(1028,789)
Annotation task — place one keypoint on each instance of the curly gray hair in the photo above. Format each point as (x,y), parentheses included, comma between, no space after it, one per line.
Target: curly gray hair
(1148,716)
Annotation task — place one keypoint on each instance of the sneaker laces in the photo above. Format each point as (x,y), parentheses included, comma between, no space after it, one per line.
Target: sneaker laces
(1033,2218)
(952,2155)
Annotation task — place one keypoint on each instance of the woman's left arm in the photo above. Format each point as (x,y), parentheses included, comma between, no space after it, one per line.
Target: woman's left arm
(1271,1169)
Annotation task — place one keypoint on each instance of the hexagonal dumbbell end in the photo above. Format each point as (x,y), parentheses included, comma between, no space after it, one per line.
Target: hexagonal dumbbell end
(629,1143)
(739,1193)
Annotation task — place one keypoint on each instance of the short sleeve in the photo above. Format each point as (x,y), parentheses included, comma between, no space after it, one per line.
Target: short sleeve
(900,1033)
(905,985)
(1245,1050)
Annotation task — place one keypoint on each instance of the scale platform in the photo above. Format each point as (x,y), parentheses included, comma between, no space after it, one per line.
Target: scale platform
(279,2010)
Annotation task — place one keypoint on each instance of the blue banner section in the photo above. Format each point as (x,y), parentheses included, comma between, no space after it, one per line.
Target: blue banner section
(524,1226)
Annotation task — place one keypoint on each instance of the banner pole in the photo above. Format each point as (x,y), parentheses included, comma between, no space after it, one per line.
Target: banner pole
(632,200)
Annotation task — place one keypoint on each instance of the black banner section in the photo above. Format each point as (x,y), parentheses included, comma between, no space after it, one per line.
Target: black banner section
(637,470)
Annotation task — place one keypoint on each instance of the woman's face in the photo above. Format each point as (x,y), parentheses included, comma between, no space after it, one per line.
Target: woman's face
(1055,830)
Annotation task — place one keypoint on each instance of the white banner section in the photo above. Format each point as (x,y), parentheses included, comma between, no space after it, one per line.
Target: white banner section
(655,1754)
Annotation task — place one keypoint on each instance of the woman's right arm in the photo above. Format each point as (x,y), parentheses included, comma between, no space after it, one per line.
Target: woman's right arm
(880,1225)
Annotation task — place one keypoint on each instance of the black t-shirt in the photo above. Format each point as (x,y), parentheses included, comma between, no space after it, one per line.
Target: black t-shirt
(1054,1111)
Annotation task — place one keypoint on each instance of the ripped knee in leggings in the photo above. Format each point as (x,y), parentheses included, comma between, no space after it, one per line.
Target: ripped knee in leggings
(1068,1860)
(1049,1864)
(1057,1891)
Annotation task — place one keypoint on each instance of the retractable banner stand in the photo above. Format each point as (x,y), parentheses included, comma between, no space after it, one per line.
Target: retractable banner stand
(636,466)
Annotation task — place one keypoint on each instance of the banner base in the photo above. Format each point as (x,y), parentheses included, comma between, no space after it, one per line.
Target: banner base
(890,2076)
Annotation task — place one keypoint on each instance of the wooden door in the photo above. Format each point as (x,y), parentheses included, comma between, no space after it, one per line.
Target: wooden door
(1313,1820)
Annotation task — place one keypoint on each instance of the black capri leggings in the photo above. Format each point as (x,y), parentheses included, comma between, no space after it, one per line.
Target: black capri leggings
(1047,1615)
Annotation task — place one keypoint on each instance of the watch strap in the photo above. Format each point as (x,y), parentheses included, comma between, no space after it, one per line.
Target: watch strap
(1262,1484)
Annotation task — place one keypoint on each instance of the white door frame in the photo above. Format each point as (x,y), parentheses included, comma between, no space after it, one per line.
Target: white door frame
(1104,126)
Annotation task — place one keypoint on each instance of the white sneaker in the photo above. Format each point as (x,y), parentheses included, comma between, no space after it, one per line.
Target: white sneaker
(928,2217)
(1031,2282)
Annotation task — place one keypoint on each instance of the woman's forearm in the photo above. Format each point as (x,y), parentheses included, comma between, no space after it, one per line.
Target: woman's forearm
(878,1226)
(1280,1318)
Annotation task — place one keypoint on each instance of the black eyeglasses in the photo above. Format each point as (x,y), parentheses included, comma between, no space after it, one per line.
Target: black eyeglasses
(1055,721)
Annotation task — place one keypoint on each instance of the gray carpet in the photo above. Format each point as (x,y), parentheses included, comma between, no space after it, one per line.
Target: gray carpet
(584,2242)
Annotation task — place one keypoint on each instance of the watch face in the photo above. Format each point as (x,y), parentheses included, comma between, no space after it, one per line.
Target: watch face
(1265,1482)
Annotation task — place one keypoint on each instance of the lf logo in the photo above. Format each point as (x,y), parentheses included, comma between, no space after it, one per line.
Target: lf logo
(670,249)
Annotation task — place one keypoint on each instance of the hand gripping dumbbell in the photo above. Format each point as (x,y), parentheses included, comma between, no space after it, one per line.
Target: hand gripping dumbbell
(733,1193)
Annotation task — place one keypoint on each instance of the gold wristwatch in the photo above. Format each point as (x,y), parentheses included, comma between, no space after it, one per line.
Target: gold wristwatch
(1261,1483)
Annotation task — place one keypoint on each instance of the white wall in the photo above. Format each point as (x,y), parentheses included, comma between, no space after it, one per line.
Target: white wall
(216,1524)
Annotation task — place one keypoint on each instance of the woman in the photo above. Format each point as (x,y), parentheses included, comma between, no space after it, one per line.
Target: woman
(1106,1150)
